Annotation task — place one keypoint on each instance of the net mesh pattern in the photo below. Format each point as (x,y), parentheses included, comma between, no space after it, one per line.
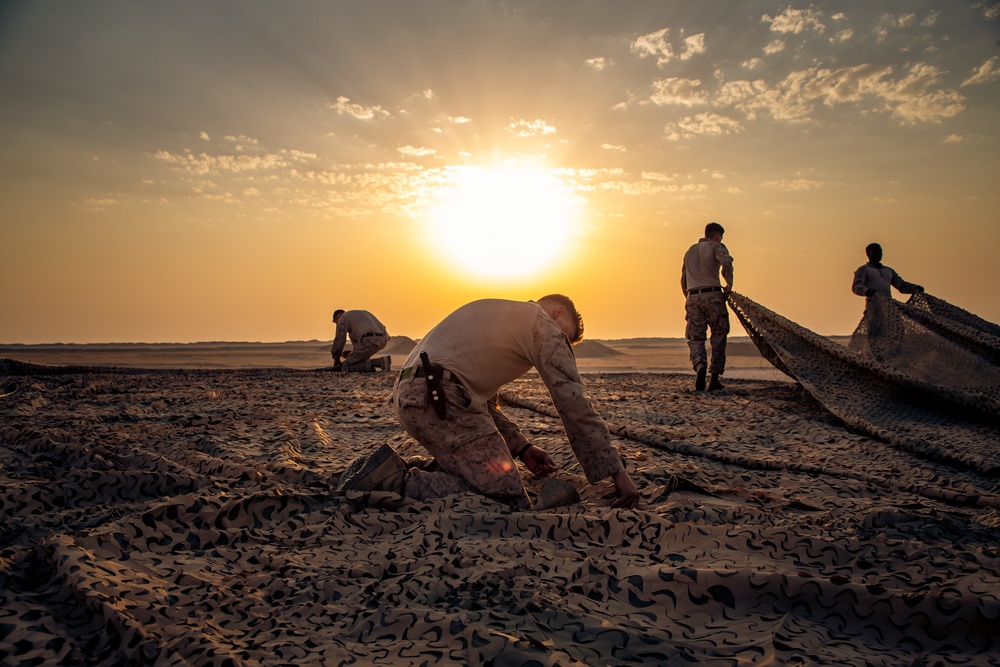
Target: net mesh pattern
(911,377)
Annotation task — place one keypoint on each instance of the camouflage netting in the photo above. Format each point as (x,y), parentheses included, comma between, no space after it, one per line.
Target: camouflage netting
(920,376)
(191,518)
(931,339)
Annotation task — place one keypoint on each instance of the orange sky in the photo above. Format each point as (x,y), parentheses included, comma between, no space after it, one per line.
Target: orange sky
(235,171)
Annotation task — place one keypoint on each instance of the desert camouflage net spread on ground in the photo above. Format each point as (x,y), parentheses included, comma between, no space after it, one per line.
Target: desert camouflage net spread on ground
(190,518)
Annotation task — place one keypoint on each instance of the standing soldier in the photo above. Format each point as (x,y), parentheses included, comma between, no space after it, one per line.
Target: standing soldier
(368,336)
(876,278)
(705,302)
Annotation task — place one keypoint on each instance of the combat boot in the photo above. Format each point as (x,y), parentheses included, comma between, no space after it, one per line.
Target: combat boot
(380,470)
(699,380)
(714,384)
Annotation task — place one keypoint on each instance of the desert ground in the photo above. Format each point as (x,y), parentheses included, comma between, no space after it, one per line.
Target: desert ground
(179,507)
(653,355)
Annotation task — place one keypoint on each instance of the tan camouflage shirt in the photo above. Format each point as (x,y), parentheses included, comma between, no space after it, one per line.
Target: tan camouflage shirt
(491,342)
(702,263)
(355,323)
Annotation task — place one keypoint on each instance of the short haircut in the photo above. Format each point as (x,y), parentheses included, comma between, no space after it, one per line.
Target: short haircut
(871,247)
(338,312)
(714,228)
(567,303)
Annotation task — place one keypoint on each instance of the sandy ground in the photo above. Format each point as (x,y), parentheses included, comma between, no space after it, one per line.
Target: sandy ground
(190,517)
(655,355)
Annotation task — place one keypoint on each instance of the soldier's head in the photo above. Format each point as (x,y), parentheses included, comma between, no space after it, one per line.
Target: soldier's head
(561,309)
(874,252)
(336,315)
(714,232)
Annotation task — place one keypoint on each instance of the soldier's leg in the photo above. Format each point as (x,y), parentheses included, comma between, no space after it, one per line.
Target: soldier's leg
(719,324)
(360,358)
(467,445)
(696,331)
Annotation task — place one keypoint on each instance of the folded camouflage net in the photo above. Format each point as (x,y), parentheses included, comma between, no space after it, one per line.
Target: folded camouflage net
(920,377)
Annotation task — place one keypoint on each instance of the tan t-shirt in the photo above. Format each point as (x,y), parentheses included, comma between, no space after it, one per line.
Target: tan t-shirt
(491,342)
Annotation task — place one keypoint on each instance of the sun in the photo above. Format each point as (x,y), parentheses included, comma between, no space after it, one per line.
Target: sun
(499,222)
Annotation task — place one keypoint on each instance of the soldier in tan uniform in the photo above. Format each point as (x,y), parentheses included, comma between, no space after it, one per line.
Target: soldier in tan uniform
(368,336)
(446,397)
(877,278)
(705,303)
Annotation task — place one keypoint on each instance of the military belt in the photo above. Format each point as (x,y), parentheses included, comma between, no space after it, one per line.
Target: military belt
(419,372)
(702,290)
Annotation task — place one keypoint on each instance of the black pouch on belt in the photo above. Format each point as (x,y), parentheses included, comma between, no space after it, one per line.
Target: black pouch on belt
(435,392)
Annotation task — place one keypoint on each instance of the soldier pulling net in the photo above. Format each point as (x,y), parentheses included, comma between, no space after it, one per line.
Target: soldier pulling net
(922,376)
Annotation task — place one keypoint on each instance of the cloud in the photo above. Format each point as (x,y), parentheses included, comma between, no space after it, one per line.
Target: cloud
(203,163)
(413,151)
(991,10)
(531,128)
(774,46)
(954,139)
(842,36)
(703,124)
(796,21)
(678,91)
(613,147)
(658,176)
(343,106)
(693,46)
(656,44)
(793,185)
(752,63)
(241,139)
(931,19)
(598,64)
(909,98)
(985,73)
(204,135)
(98,204)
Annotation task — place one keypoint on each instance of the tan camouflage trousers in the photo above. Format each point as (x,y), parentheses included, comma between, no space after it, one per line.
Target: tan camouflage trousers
(466,444)
(703,312)
(360,358)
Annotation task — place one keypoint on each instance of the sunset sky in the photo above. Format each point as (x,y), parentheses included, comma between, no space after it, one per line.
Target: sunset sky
(235,170)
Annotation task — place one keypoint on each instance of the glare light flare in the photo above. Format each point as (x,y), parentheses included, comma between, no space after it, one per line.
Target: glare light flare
(505,222)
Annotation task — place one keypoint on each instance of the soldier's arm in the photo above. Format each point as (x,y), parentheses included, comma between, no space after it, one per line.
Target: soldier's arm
(859,286)
(903,286)
(339,341)
(588,434)
(725,261)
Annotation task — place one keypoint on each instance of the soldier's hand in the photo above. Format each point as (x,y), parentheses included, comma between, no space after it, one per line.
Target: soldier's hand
(727,289)
(538,461)
(628,495)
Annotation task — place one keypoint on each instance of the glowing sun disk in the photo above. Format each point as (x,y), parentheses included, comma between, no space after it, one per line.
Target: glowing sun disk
(504,222)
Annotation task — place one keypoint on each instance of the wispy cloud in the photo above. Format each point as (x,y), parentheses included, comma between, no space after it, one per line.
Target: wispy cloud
(985,73)
(911,98)
(598,64)
(703,124)
(531,128)
(793,185)
(678,91)
(343,105)
(796,21)
(202,164)
(657,44)
(413,151)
